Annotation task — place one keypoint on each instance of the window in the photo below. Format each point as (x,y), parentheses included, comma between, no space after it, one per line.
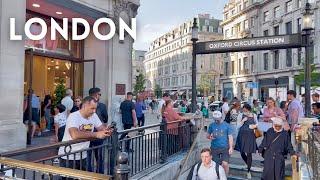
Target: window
(232,11)
(299,25)
(266,33)
(240,7)
(277,12)
(226,67)
(299,3)
(245,4)
(299,55)
(252,63)
(245,64)
(226,16)
(266,16)
(240,65)
(276,30)
(265,61)
(233,67)
(252,21)
(246,24)
(206,22)
(276,60)
(289,27)
(289,6)
(289,57)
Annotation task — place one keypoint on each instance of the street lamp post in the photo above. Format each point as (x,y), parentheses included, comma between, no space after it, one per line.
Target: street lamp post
(307,29)
(276,82)
(194,39)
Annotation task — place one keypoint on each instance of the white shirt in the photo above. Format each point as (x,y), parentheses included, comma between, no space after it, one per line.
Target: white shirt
(225,109)
(68,103)
(75,120)
(60,119)
(161,103)
(205,173)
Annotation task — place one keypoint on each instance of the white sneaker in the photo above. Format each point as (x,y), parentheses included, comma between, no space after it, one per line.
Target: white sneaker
(249,175)
(56,161)
(46,130)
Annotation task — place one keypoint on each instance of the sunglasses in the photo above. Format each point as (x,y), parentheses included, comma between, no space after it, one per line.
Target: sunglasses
(99,94)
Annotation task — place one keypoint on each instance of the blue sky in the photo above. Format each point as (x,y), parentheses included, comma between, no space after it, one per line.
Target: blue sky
(156,17)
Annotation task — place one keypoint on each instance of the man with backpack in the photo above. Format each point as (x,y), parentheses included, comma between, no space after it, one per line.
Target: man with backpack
(207,169)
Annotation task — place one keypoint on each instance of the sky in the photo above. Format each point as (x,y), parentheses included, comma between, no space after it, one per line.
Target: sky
(157,17)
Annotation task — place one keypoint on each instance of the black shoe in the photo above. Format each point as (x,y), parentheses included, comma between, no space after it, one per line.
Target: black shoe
(262,162)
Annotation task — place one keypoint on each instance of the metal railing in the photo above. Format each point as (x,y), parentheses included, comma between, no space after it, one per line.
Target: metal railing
(314,153)
(144,150)
(26,170)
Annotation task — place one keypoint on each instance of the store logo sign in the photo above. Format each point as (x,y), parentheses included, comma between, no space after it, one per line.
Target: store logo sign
(63,31)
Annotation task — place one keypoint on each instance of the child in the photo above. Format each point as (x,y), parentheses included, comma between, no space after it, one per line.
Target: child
(60,120)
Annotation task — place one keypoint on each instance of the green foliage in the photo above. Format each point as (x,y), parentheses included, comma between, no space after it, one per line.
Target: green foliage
(315,82)
(140,84)
(59,92)
(157,91)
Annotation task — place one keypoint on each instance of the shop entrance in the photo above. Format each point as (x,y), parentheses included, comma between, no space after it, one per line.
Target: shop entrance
(44,72)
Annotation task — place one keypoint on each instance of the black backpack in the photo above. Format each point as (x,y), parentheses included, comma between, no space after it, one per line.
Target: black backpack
(228,117)
(198,167)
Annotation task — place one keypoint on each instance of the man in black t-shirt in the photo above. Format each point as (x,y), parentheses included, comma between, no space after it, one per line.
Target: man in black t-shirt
(129,118)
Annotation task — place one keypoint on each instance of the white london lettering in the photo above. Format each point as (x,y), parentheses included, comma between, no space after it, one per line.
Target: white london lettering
(63,31)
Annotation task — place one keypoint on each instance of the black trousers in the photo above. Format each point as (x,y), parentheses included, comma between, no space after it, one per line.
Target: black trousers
(127,143)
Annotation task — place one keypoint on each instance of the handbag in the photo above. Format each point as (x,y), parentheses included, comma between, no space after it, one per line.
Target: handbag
(257,133)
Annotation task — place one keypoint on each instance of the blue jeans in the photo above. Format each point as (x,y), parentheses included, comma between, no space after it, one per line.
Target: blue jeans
(98,156)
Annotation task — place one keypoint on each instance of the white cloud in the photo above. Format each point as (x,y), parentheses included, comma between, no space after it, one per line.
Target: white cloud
(150,32)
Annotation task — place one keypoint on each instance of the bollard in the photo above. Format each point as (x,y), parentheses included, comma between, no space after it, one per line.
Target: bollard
(122,170)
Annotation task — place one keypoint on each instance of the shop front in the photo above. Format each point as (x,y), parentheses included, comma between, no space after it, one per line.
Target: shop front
(274,87)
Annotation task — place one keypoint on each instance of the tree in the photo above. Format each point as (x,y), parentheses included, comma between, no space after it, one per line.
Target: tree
(140,84)
(157,91)
(204,84)
(59,92)
(315,82)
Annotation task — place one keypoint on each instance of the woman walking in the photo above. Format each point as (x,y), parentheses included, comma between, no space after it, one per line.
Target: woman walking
(246,140)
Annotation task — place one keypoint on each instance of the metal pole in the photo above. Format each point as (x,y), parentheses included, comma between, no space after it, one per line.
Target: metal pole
(307,72)
(194,70)
(30,100)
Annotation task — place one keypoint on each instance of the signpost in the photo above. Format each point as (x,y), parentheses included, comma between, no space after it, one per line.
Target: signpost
(250,44)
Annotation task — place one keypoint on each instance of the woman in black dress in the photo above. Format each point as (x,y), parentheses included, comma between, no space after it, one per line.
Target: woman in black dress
(246,139)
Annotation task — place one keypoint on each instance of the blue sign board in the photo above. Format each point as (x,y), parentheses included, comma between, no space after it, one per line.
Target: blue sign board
(252,85)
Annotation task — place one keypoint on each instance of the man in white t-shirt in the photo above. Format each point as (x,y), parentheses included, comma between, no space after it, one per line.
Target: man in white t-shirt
(80,125)
(165,97)
(67,101)
(225,107)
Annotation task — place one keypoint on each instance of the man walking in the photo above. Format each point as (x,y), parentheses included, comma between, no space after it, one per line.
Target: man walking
(103,116)
(295,109)
(80,125)
(67,101)
(207,169)
(224,107)
(220,134)
(129,118)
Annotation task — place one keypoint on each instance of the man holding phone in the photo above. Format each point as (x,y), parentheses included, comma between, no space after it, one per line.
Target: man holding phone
(80,125)
(220,134)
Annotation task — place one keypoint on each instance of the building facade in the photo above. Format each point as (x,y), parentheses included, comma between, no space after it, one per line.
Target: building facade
(169,58)
(44,64)
(270,73)
(137,65)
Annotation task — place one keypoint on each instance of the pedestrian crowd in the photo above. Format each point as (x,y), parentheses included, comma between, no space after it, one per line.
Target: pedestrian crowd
(234,127)
(237,127)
